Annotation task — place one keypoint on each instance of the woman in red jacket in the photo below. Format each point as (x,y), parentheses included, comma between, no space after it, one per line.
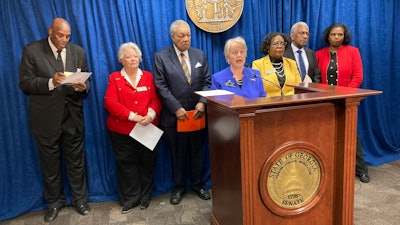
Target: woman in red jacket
(131,99)
(341,65)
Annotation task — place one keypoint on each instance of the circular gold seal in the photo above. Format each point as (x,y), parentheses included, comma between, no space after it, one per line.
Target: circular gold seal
(214,16)
(291,179)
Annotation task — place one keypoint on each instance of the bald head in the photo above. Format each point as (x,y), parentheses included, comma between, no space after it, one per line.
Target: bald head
(60,33)
(59,23)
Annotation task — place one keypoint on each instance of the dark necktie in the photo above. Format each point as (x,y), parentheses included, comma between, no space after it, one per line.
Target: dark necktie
(185,67)
(302,66)
(60,61)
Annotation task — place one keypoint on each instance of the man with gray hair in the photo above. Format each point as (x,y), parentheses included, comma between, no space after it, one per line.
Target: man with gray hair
(179,71)
(305,57)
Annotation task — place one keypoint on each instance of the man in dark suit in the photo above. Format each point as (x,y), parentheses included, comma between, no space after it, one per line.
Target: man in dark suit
(299,34)
(56,114)
(176,89)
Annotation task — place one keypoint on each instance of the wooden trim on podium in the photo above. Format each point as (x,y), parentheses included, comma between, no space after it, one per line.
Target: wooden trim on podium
(246,144)
(347,157)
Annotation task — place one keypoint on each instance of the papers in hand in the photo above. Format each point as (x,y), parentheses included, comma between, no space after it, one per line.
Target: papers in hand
(146,135)
(78,77)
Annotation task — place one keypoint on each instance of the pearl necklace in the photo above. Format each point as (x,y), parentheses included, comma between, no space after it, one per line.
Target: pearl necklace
(279,69)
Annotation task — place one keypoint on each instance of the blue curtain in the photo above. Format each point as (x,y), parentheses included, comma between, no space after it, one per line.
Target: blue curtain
(101,27)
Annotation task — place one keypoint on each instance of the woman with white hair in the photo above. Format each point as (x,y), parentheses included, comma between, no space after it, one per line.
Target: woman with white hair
(238,78)
(131,99)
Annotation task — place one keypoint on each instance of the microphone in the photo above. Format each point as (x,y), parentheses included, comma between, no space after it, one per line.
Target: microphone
(256,75)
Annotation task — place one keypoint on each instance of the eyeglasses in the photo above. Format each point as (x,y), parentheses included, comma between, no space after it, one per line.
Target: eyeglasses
(302,33)
(278,44)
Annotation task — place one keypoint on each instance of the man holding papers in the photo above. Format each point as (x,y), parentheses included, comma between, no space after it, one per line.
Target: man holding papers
(132,101)
(56,114)
(179,71)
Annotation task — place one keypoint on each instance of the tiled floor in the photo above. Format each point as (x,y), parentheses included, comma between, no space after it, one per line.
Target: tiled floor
(376,203)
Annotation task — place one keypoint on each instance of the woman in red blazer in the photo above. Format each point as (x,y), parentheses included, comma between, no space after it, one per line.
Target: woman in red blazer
(339,57)
(341,65)
(131,99)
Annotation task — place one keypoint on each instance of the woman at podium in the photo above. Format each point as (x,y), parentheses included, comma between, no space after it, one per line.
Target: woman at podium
(237,77)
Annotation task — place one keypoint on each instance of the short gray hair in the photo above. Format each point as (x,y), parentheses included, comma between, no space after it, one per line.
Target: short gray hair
(229,42)
(126,46)
(296,25)
(176,24)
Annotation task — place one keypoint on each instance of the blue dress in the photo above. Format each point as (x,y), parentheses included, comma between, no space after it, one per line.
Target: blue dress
(252,85)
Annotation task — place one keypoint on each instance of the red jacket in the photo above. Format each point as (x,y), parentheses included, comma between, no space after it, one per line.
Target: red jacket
(121,98)
(350,72)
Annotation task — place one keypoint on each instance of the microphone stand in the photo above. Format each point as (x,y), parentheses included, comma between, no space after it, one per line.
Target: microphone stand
(255,75)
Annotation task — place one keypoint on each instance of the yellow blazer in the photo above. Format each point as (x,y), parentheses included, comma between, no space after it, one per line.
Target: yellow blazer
(267,71)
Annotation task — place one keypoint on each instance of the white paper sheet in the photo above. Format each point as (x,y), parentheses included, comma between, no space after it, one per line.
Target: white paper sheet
(214,93)
(78,77)
(147,135)
(307,79)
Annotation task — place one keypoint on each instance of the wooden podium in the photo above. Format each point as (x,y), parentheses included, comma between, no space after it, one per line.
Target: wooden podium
(284,160)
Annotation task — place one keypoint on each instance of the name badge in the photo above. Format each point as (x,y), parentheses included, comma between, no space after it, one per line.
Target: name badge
(270,71)
(144,88)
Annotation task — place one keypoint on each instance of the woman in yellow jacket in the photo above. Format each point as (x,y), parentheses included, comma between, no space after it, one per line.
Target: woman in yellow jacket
(277,71)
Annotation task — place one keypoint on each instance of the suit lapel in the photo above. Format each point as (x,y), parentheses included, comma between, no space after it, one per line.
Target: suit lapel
(310,60)
(193,62)
(308,54)
(270,71)
(68,64)
(50,55)
(290,52)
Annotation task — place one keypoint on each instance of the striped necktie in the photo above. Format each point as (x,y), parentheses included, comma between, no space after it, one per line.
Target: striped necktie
(185,67)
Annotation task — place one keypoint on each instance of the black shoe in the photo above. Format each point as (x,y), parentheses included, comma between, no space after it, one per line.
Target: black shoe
(127,207)
(363,177)
(83,209)
(203,194)
(51,214)
(176,197)
(144,205)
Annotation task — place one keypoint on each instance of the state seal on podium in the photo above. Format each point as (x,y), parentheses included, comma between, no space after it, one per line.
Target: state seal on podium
(214,16)
(290,180)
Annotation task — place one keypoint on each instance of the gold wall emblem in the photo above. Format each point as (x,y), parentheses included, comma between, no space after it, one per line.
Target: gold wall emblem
(214,16)
(291,179)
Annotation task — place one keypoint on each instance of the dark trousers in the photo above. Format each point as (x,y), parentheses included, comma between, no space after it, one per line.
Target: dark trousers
(186,151)
(135,169)
(361,166)
(66,144)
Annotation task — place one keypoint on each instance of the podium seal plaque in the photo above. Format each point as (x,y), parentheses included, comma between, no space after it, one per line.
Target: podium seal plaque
(290,179)
(214,16)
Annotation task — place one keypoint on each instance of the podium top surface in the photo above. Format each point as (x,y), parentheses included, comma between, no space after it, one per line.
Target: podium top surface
(305,93)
